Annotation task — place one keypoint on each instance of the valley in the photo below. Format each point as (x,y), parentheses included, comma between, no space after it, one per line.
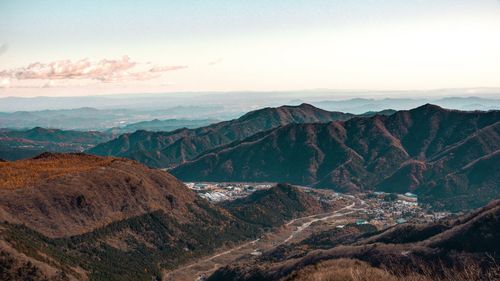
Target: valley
(291,231)
(369,211)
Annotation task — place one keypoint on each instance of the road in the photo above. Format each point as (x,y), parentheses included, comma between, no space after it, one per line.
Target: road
(308,223)
(207,265)
(222,254)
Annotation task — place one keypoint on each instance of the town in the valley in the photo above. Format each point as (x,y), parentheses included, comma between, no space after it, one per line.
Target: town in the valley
(379,209)
(370,211)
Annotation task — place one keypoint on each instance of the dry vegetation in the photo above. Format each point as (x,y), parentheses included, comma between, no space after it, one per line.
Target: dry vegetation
(355,270)
(340,270)
(28,172)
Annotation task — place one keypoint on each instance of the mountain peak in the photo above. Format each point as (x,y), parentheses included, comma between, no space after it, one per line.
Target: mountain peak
(305,105)
(41,130)
(429,107)
(38,129)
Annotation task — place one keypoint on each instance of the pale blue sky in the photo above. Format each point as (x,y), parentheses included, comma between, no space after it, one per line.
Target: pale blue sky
(252,45)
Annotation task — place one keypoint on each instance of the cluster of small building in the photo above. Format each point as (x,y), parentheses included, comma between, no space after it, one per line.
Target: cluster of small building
(381,209)
(397,209)
(217,192)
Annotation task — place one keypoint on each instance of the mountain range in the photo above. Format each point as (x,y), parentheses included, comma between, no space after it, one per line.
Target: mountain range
(18,144)
(360,105)
(442,155)
(445,156)
(161,125)
(167,149)
(91,118)
(229,103)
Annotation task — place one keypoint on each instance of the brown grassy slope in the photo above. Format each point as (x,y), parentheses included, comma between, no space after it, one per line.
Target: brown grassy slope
(29,172)
(340,270)
(356,270)
(117,221)
(69,194)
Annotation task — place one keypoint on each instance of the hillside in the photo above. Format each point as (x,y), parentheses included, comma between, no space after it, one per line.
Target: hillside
(166,149)
(68,194)
(456,249)
(117,217)
(19,144)
(413,150)
(268,208)
(472,185)
(106,218)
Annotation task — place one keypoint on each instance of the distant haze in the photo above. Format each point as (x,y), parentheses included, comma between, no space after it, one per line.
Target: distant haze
(111,111)
(79,48)
(243,101)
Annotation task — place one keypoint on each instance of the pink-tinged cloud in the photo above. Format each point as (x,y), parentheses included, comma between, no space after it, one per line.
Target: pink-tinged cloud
(105,70)
(167,68)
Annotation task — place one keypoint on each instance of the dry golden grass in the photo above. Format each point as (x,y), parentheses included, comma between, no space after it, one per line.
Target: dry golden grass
(355,270)
(340,270)
(24,173)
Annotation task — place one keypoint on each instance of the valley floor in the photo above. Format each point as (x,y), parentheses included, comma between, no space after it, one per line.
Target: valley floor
(295,230)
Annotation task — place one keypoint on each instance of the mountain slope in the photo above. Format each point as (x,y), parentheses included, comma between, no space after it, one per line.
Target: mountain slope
(165,149)
(469,187)
(407,151)
(113,217)
(275,206)
(85,192)
(103,218)
(455,249)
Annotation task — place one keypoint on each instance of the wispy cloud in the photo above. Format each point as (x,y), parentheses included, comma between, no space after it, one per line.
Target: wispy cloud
(106,70)
(214,62)
(167,68)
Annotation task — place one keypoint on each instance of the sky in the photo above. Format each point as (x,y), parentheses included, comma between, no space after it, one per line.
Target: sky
(67,48)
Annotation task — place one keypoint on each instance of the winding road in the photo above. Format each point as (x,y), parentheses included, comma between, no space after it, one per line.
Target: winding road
(307,224)
(213,265)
